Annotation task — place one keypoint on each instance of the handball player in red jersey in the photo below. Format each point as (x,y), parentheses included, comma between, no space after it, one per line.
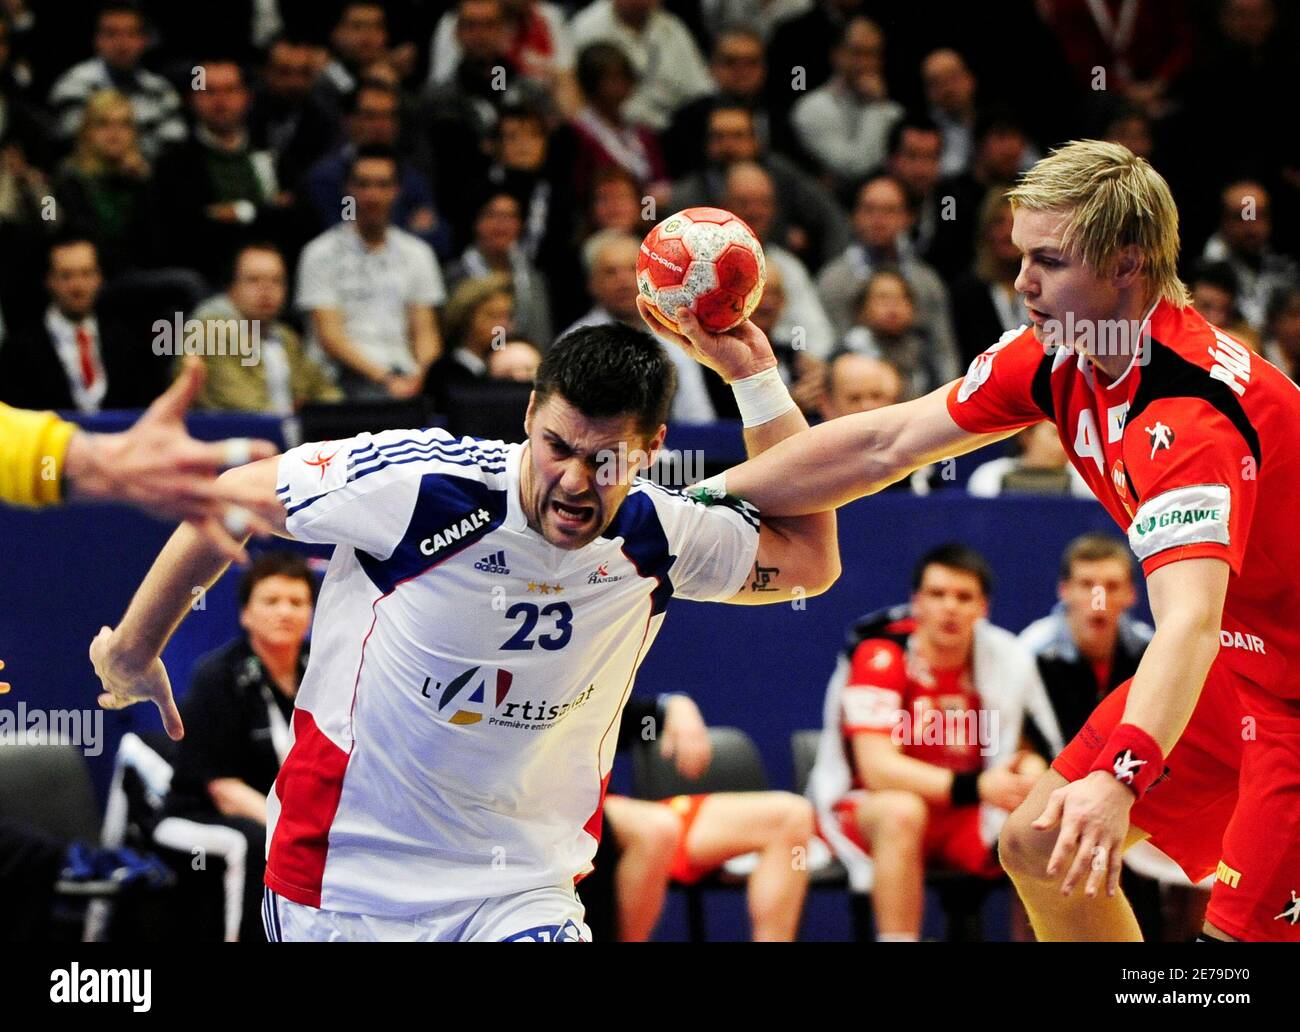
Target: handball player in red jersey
(1189,441)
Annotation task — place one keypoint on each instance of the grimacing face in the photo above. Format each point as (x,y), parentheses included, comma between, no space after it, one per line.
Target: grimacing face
(579,469)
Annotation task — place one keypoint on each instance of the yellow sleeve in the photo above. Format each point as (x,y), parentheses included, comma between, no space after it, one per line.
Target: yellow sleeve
(32,449)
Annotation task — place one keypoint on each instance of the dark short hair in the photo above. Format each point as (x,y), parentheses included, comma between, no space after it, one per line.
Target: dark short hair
(63,240)
(1280,301)
(726,104)
(998,119)
(371,86)
(232,267)
(955,557)
(610,370)
(519,107)
(120,7)
(276,564)
(375,152)
(914,121)
(597,60)
(1093,547)
(1218,274)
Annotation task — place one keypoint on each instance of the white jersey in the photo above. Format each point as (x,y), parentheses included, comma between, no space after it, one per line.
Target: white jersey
(456,724)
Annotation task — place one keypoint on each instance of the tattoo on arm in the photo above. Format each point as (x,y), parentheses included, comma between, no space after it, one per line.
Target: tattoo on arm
(764,577)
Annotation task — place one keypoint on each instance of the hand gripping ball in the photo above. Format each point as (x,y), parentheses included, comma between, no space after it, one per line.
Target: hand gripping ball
(705,259)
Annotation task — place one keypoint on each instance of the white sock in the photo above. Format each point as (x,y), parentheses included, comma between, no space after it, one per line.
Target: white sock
(897,937)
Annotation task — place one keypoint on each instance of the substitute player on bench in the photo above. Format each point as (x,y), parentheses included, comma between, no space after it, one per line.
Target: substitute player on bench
(1188,440)
(477,634)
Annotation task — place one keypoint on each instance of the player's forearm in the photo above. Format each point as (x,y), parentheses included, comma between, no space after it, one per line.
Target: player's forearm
(812,536)
(334,340)
(345,352)
(908,774)
(187,566)
(1170,676)
(426,342)
(820,469)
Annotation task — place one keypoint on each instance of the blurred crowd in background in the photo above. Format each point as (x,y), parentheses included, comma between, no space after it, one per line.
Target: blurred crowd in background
(368,202)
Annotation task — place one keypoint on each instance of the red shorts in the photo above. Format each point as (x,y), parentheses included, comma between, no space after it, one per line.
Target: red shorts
(687,807)
(1228,804)
(952,836)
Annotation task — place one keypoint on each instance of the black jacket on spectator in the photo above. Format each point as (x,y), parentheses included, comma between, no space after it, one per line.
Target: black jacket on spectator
(184,190)
(227,728)
(115,213)
(32,377)
(1071,682)
(974,318)
(298,137)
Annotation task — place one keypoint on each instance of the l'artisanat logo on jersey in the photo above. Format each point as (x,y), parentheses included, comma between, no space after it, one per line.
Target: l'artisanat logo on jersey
(462,528)
(483,691)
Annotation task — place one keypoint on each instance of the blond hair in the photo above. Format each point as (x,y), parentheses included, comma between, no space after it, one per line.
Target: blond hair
(467,298)
(101,106)
(1115,200)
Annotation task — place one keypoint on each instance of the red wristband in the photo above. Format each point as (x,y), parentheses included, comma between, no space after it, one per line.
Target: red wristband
(1133,757)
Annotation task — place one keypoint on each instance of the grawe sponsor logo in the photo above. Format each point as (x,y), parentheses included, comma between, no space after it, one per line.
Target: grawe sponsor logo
(1177,518)
(102,985)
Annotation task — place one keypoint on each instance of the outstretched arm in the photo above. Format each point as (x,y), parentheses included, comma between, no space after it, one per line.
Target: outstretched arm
(852,456)
(798,553)
(126,659)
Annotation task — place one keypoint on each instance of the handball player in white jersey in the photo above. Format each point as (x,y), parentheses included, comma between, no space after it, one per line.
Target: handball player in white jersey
(478,632)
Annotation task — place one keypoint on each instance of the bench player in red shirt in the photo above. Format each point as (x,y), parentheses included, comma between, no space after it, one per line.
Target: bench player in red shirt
(1188,440)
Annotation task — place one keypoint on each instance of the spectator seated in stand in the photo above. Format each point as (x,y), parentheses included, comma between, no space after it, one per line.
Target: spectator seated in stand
(238,716)
(911,771)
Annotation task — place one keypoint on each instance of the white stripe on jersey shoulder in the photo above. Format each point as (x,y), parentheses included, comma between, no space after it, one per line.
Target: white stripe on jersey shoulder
(431,450)
(744,509)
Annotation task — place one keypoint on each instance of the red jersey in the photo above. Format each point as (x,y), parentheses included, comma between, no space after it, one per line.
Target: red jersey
(1193,450)
(892,691)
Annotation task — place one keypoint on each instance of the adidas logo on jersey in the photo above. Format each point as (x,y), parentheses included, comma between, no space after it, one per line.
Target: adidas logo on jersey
(494,563)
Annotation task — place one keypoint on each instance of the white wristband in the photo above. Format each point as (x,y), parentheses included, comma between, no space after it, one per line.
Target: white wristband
(762,397)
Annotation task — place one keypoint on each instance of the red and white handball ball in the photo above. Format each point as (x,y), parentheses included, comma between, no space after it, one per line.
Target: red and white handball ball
(705,259)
